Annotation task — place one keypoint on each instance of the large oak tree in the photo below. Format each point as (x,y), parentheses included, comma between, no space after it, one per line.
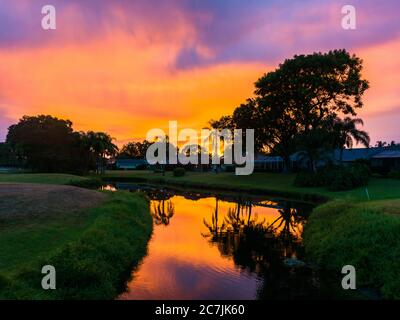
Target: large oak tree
(298,97)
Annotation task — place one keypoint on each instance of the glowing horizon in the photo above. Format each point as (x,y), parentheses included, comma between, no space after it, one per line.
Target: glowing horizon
(126,67)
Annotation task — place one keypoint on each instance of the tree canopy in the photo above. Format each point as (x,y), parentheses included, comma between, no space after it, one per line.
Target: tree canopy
(48,144)
(299,97)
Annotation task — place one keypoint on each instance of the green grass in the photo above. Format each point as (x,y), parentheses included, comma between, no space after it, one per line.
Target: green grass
(44,178)
(268,183)
(93,252)
(365,235)
(28,241)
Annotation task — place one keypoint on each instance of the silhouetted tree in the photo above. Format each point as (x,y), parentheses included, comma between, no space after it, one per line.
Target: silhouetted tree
(314,145)
(346,133)
(134,150)
(392,144)
(44,142)
(298,97)
(102,146)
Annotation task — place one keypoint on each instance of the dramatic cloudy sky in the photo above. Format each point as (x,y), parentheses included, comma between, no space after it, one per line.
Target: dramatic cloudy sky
(126,66)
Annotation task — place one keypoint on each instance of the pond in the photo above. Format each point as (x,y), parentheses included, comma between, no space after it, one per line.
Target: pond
(223,246)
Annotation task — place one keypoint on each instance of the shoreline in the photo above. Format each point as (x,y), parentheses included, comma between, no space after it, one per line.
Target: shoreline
(284,195)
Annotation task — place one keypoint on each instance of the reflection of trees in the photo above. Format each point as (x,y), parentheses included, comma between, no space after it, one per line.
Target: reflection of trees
(262,248)
(241,217)
(240,235)
(163,208)
(289,224)
(159,194)
(163,211)
(214,226)
(236,220)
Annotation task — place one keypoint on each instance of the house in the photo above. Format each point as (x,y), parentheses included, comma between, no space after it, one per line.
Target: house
(386,160)
(131,164)
(382,158)
(351,155)
(273,163)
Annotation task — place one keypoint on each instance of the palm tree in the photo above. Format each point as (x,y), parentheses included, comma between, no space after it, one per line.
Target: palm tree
(381,144)
(347,132)
(101,145)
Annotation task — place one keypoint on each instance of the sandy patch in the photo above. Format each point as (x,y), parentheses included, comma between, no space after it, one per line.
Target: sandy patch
(19,200)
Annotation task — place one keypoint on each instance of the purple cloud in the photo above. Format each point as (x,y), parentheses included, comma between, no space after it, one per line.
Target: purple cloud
(235,30)
(271,30)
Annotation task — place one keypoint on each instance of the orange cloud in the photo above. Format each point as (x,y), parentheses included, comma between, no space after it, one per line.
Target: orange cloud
(121,84)
(381,111)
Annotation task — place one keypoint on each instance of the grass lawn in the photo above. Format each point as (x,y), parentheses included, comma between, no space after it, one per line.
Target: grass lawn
(36,219)
(45,178)
(365,235)
(273,183)
(92,238)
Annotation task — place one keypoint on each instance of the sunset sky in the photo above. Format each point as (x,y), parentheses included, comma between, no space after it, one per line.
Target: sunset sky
(127,66)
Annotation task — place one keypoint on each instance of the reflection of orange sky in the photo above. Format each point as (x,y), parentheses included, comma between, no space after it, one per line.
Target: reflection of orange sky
(180,246)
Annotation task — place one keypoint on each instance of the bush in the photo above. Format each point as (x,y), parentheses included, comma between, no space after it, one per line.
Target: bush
(346,178)
(340,181)
(360,174)
(308,179)
(92,183)
(179,172)
(336,178)
(394,174)
(339,233)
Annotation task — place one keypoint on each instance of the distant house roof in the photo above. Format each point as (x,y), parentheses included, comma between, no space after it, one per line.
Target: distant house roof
(264,158)
(387,154)
(130,163)
(350,155)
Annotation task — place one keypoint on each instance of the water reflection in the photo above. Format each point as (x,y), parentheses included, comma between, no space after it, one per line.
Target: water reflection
(271,250)
(222,247)
(162,207)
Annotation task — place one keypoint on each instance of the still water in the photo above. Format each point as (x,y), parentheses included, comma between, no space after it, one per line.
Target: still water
(222,246)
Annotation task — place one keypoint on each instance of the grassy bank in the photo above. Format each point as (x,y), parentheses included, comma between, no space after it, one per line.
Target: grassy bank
(365,235)
(264,183)
(44,178)
(93,250)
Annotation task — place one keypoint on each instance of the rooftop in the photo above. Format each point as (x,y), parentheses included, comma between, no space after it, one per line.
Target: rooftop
(387,154)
